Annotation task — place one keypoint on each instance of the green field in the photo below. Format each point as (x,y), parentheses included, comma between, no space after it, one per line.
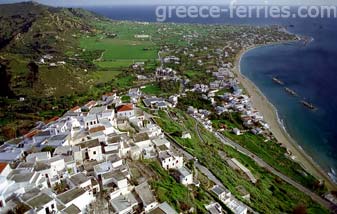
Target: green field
(114,49)
(105,76)
(152,89)
(114,64)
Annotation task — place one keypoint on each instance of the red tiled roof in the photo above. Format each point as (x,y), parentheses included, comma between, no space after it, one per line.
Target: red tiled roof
(126,107)
(3,166)
(52,120)
(32,133)
(91,103)
(75,108)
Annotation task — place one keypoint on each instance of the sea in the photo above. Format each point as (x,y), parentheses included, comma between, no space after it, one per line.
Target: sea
(308,68)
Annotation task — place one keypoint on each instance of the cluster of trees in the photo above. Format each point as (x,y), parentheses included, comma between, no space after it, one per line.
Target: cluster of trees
(5,79)
(194,99)
(170,86)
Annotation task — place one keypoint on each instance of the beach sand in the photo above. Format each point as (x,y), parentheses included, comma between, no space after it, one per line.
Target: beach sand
(261,103)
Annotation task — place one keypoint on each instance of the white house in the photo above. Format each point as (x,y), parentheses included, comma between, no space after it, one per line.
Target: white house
(57,165)
(185,176)
(223,194)
(169,160)
(125,110)
(146,196)
(102,168)
(91,150)
(90,121)
(79,180)
(142,140)
(7,189)
(38,156)
(163,208)
(40,202)
(77,196)
(58,140)
(124,204)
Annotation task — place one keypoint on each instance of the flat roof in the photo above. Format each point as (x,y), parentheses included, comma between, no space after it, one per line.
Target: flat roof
(141,137)
(90,144)
(59,137)
(123,202)
(163,208)
(24,177)
(79,178)
(39,201)
(184,171)
(70,195)
(218,189)
(72,209)
(145,193)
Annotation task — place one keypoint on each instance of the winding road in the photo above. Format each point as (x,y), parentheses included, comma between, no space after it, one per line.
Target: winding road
(263,164)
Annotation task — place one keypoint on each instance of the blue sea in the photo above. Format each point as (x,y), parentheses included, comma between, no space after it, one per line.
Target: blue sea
(309,69)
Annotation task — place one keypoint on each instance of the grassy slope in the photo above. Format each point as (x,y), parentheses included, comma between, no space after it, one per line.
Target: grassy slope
(269,195)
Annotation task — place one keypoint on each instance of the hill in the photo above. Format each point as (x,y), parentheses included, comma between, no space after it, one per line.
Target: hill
(35,65)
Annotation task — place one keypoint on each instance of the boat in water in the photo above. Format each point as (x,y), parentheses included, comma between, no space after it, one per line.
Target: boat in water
(278,81)
(308,105)
(291,92)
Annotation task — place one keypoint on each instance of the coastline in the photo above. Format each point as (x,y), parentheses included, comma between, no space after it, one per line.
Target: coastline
(269,112)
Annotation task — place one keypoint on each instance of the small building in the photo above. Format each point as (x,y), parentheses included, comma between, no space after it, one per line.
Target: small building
(223,194)
(41,203)
(214,208)
(185,176)
(169,160)
(79,180)
(125,110)
(236,131)
(77,196)
(163,208)
(91,150)
(146,196)
(124,204)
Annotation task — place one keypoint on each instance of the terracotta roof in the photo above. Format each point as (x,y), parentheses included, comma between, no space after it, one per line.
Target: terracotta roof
(126,107)
(75,108)
(91,103)
(97,129)
(32,133)
(52,120)
(3,166)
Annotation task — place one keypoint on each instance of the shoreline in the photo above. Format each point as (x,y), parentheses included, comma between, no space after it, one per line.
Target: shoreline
(270,114)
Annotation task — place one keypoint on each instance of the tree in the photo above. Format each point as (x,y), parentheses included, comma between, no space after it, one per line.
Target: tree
(300,209)
(48,149)
(5,79)
(33,73)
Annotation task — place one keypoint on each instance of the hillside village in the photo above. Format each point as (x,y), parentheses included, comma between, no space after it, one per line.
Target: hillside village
(84,153)
(80,162)
(119,153)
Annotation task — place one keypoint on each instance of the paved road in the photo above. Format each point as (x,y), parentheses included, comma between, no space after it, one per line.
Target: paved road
(260,162)
(201,167)
(188,156)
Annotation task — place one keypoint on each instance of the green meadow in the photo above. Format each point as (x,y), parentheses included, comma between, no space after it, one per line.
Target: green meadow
(117,49)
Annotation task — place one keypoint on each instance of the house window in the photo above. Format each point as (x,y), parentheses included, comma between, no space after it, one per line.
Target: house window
(52,206)
(94,152)
(1,204)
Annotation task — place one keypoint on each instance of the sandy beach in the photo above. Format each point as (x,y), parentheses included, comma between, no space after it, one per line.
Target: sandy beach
(269,112)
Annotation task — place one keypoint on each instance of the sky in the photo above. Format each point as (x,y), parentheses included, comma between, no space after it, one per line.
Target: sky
(174,2)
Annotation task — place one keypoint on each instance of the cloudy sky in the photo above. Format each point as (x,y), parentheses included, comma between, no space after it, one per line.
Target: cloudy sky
(156,2)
